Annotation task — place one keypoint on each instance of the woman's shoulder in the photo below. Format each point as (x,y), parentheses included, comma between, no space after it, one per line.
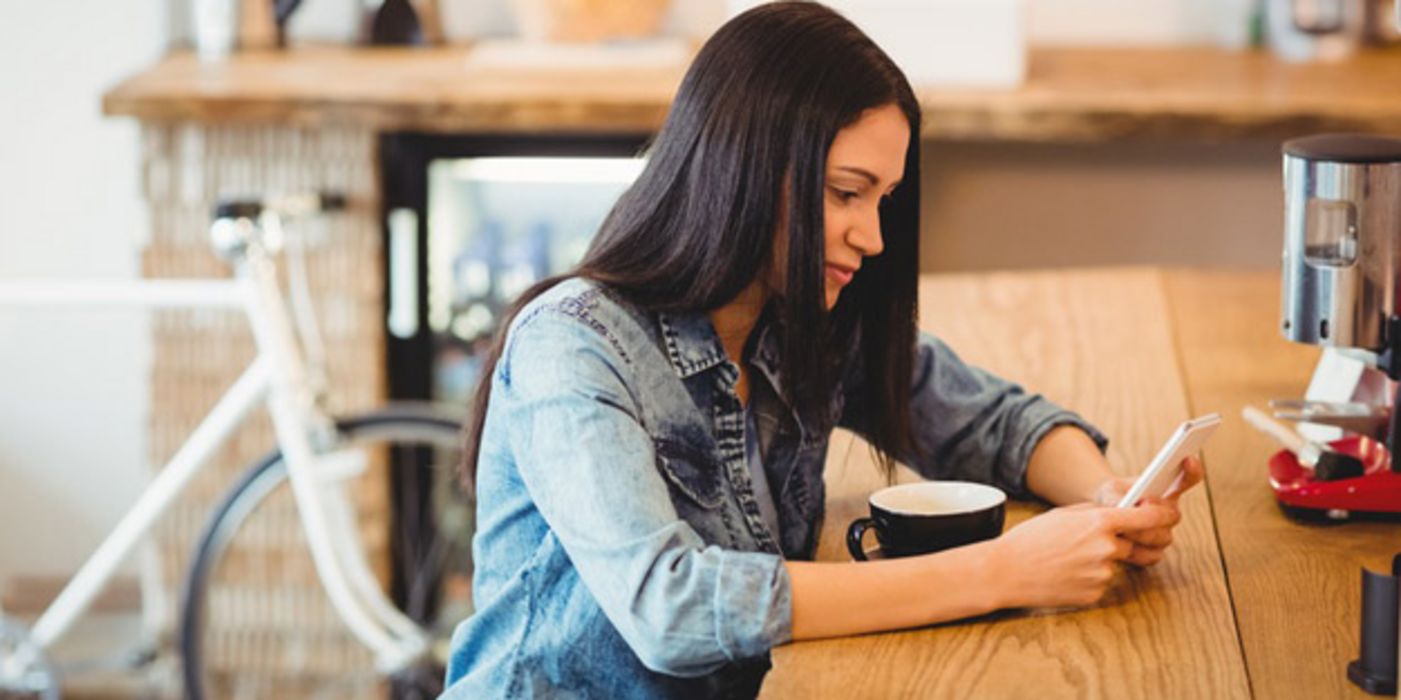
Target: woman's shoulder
(579,310)
(567,294)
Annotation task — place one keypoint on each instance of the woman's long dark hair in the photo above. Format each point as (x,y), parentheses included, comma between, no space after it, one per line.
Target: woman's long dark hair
(761,104)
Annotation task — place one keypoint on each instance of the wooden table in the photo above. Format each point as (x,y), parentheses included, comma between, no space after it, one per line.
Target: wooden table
(1247,603)
(1070,94)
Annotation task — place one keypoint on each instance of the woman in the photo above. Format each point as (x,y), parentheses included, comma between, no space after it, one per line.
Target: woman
(649,439)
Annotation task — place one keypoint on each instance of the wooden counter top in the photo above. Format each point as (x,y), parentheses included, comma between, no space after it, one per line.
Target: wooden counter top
(1247,603)
(1296,587)
(1069,94)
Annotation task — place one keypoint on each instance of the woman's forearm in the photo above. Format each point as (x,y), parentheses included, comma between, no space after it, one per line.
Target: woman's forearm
(834,599)
(1066,467)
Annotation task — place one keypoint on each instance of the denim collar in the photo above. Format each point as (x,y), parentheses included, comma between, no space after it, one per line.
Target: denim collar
(765,354)
(693,347)
(691,342)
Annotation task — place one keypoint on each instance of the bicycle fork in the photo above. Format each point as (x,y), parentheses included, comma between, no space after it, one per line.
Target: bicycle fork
(332,535)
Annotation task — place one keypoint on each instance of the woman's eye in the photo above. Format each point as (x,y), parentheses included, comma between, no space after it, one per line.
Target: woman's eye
(845,195)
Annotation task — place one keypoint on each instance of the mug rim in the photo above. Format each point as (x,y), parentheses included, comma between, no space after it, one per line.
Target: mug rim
(995,497)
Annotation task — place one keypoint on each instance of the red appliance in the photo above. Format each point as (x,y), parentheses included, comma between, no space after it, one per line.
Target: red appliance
(1378,490)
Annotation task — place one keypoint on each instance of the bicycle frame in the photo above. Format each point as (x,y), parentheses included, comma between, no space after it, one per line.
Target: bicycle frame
(278,377)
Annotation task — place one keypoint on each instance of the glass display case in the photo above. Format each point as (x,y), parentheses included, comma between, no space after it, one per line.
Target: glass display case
(496,226)
(469,224)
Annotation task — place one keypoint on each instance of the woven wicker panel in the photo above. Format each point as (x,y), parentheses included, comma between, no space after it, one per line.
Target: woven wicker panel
(268,583)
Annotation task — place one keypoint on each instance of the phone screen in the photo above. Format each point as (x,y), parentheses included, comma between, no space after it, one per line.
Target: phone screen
(1160,474)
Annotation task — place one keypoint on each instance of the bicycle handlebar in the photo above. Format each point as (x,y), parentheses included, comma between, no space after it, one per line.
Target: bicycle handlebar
(300,204)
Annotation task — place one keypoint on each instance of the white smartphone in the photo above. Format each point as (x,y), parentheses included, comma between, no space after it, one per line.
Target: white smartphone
(1166,467)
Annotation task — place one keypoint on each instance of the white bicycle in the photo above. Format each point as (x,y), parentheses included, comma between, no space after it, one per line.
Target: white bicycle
(400,616)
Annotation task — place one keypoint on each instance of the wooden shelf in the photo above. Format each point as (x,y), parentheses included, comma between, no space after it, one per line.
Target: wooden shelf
(1071,94)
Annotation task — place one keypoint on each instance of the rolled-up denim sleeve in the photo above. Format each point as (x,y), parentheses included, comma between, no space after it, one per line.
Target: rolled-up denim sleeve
(685,608)
(968,423)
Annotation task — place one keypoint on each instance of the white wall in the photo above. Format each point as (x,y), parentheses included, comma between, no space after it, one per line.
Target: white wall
(1138,22)
(339,20)
(1048,21)
(73,389)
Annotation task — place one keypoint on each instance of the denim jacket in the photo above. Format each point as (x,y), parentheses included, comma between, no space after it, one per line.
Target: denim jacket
(620,551)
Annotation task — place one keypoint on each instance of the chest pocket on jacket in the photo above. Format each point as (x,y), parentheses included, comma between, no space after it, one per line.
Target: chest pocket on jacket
(692,471)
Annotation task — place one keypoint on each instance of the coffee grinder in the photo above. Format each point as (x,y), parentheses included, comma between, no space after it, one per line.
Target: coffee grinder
(1342,290)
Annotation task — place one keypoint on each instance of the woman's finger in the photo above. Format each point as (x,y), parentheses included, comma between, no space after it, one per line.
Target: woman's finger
(1158,538)
(1192,474)
(1145,556)
(1112,490)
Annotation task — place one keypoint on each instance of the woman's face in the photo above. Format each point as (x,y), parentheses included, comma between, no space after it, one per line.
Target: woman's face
(865,164)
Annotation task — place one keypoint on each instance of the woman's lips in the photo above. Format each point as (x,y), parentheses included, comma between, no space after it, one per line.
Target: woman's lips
(840,275)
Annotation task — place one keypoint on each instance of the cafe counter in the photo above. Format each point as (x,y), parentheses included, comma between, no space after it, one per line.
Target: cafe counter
(1248,603)
(1070,94)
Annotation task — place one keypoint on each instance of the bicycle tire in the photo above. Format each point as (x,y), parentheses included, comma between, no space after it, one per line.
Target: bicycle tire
(412,426)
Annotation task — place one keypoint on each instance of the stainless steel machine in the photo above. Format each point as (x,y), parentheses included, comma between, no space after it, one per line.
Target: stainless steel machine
(1342,239)
(1342,289)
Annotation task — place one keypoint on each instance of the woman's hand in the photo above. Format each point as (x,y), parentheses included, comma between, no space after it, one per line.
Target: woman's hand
(1150,545)
(1061,558)
(1067,556)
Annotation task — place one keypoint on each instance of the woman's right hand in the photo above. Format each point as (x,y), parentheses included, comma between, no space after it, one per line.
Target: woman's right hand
(1068,556)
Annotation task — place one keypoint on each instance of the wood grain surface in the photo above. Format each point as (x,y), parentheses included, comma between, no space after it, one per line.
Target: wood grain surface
(438,90)
(1070,94)
(1099,342)
(1084,94)
(1296,587)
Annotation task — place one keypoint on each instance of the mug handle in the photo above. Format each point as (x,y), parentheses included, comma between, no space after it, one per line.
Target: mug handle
(853,537)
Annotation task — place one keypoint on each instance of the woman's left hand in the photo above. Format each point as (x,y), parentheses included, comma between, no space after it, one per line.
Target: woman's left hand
(1149,545)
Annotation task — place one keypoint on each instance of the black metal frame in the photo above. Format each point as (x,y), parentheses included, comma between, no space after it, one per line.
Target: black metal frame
(1390,362)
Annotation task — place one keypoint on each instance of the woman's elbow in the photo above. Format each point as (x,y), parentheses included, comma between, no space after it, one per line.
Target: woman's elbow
(662,651)
(679,615)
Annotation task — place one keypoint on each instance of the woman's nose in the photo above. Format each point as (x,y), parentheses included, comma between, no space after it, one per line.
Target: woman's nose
(866,236)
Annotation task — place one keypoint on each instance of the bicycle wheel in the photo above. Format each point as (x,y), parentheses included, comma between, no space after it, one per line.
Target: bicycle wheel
(244,629)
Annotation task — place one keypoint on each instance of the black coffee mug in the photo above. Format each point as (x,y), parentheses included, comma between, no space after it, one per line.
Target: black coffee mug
(929,516)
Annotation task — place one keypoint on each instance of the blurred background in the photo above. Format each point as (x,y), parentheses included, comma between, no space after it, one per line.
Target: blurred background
(481,141)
